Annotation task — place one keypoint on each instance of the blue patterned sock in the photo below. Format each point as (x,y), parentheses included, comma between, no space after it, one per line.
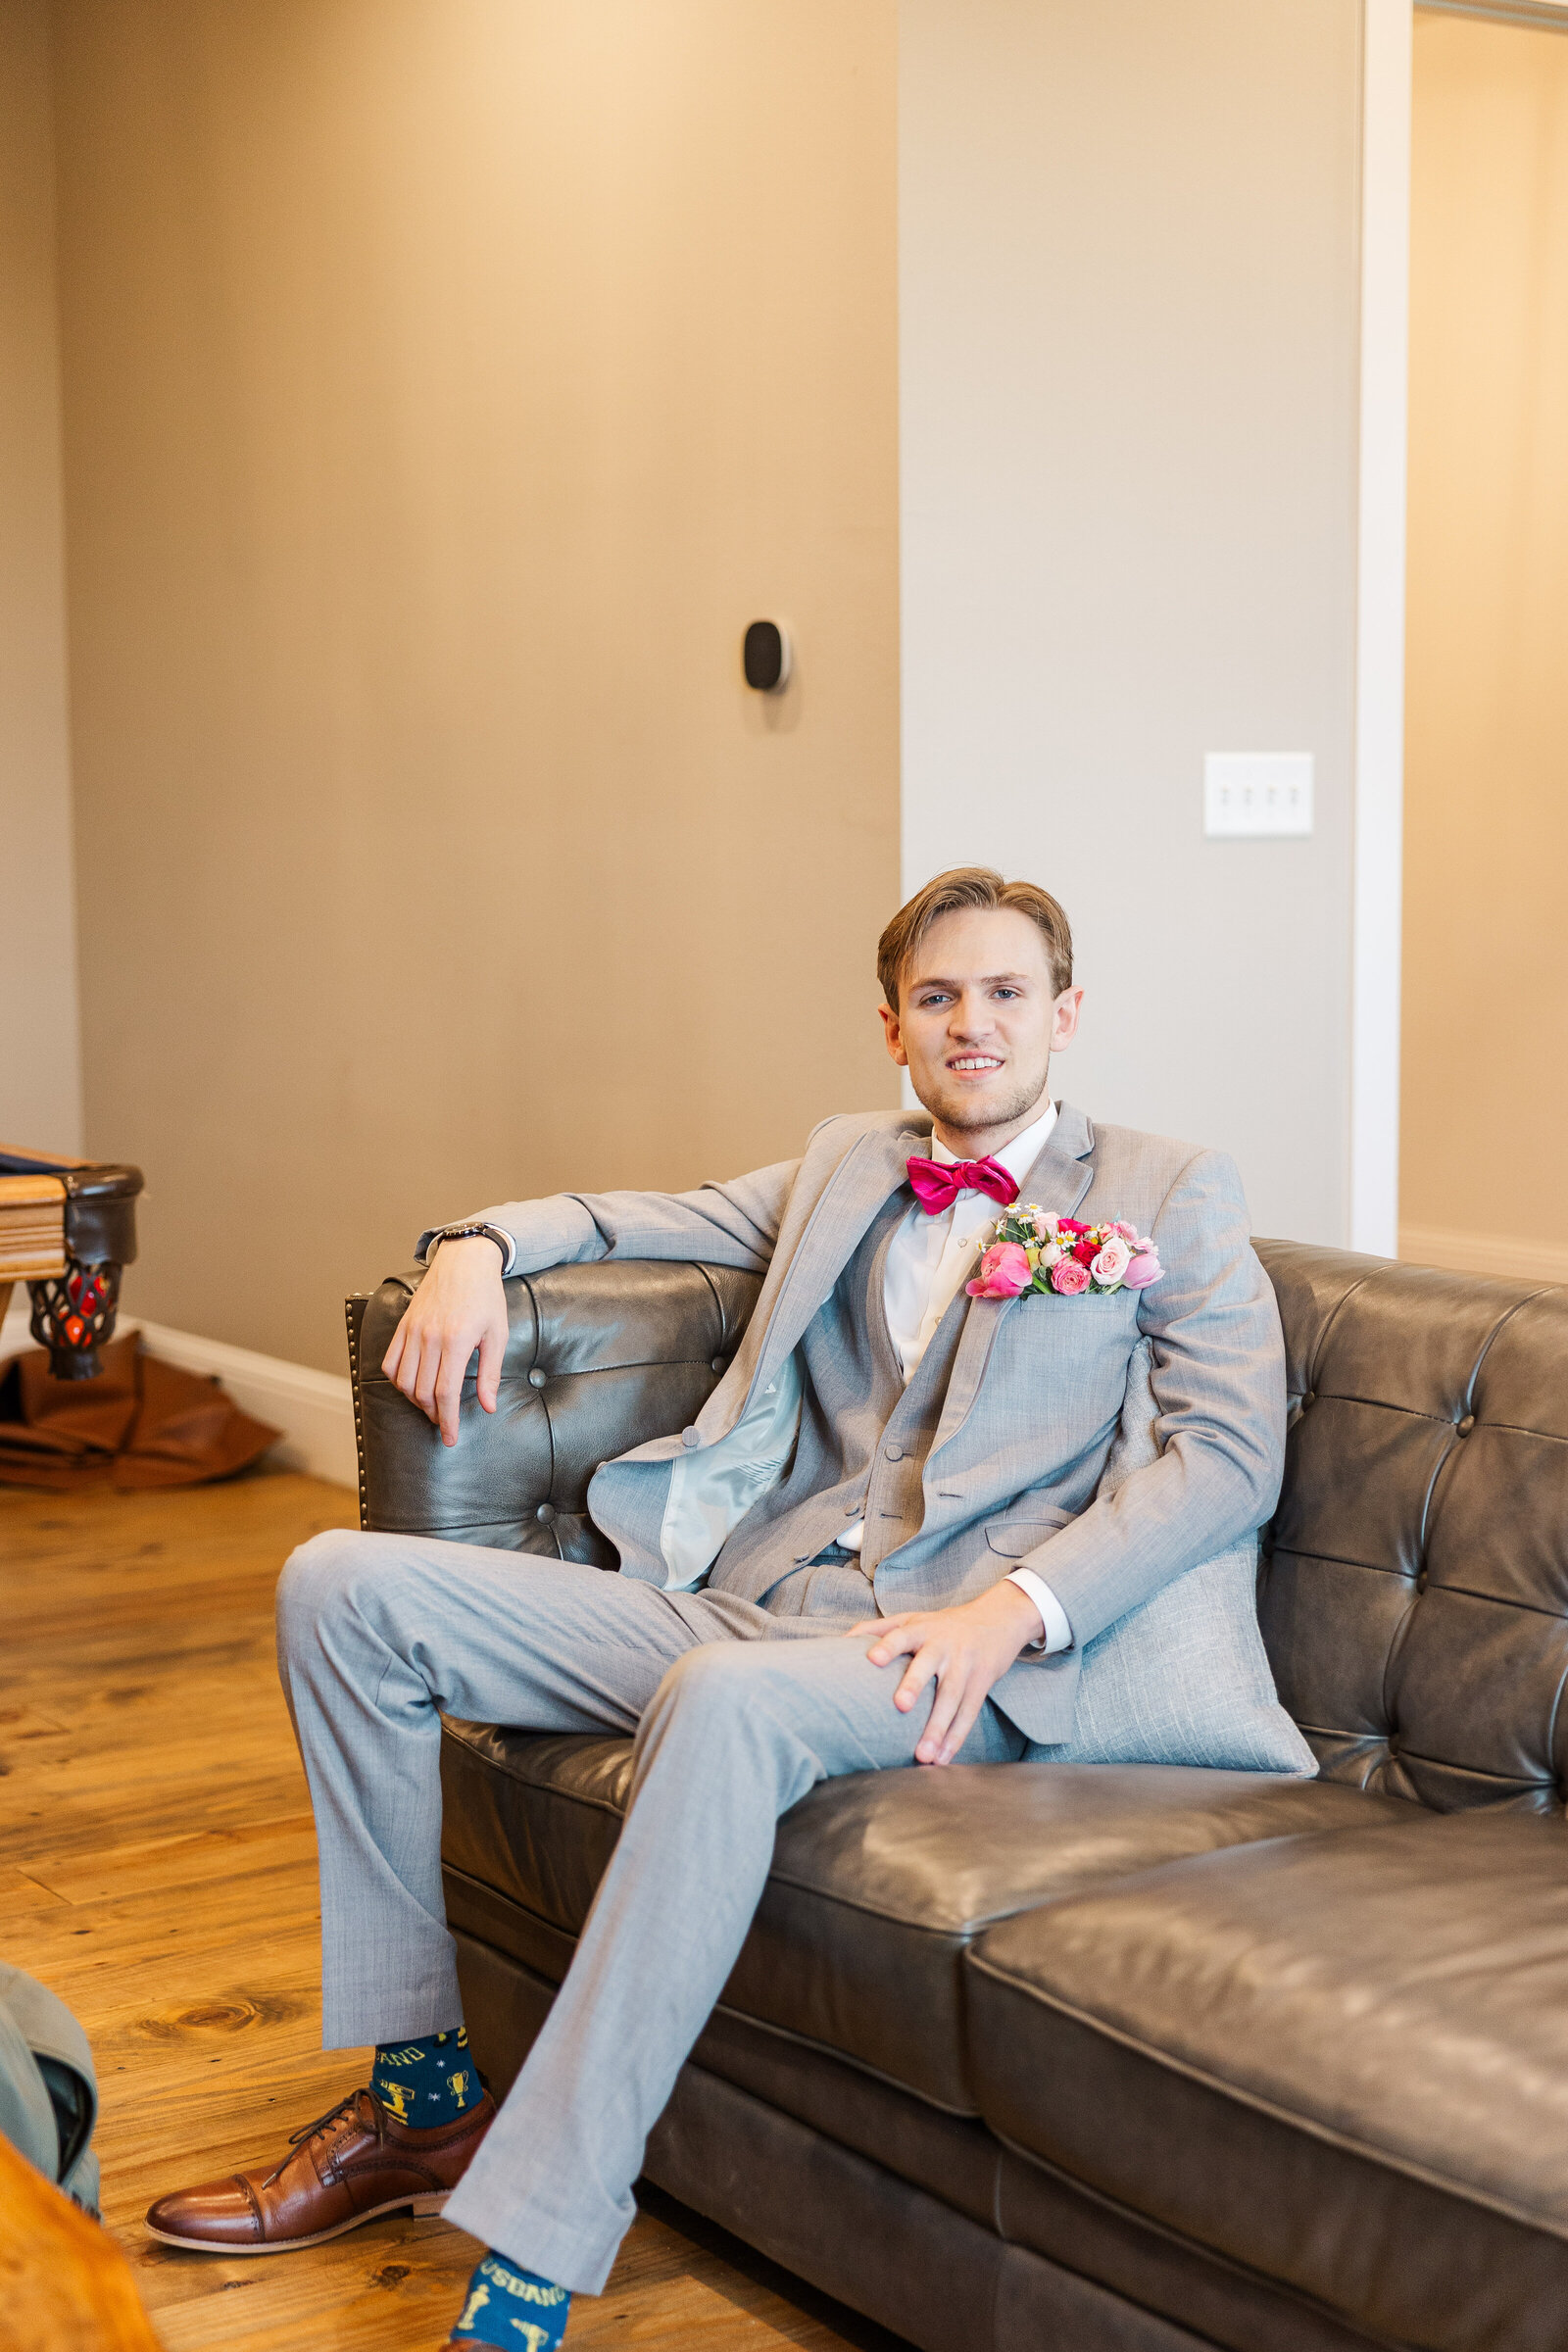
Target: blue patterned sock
(510,2306)
(425,2084)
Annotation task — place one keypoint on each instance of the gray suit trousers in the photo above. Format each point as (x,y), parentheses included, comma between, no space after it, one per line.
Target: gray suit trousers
(737,1711)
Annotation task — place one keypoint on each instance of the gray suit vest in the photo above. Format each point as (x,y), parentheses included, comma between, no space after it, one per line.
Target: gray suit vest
(861,1448)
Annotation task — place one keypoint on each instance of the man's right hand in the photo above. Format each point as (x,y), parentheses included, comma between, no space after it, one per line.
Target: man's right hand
(459,1305)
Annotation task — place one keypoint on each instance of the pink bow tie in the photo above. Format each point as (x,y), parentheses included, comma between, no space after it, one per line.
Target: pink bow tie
(939,1182)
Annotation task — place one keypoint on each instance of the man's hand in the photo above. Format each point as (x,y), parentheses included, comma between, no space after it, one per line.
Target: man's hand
(459,1306)
(965,1650)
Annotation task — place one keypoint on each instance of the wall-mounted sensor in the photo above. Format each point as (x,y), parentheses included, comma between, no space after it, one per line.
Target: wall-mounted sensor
(768,657)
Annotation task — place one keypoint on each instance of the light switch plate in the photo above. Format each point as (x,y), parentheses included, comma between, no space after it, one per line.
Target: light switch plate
(1257,794)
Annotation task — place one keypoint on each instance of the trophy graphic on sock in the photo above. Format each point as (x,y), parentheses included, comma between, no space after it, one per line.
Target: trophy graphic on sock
(419,2083)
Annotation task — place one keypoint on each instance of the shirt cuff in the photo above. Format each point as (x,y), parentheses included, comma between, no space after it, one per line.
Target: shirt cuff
(1058,1633)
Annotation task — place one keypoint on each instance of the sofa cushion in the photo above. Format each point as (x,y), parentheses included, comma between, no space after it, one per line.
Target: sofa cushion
(880,1880)
(1340,2061)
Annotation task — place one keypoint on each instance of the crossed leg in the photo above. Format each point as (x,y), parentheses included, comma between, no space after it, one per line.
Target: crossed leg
(736,1716)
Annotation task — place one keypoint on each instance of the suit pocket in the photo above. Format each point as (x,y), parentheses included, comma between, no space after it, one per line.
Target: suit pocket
(1016,1538)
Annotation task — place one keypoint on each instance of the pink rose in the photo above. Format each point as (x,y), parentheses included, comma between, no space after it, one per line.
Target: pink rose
(1068,1277)
(1004,1271)
(1111,1263)
(1124,1231)
(1144,1269)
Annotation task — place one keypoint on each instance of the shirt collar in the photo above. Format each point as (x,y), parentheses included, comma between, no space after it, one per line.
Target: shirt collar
(1018,1156)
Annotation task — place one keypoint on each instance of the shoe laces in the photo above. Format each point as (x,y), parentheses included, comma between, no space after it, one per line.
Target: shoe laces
(322,2123)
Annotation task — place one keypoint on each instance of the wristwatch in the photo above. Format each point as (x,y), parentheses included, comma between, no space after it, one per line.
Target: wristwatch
(464,1233)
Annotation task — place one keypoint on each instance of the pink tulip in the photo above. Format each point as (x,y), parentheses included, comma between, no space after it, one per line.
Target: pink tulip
(1070,1277)
(1145,1269)
(1004,1271)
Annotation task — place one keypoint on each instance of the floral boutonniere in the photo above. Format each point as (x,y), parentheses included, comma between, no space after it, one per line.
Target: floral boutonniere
(1032,1251)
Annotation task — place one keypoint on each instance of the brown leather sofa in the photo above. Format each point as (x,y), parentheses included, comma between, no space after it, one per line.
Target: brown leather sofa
(1112,2058)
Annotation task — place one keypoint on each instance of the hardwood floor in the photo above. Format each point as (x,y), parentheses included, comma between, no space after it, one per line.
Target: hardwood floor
(158,1871)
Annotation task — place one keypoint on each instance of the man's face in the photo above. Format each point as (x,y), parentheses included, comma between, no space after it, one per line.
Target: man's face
(978,1020)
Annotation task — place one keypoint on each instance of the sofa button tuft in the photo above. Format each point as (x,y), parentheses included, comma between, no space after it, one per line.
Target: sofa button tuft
(544,1513)
(1468,1424)
(536,1378)
(1309,1397)
(718,1364)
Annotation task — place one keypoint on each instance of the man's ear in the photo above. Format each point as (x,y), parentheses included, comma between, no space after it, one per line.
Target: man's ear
(895,1041)
(1064,1019)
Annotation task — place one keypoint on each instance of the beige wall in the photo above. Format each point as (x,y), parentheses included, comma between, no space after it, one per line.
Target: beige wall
(1485,1122)
(41,1075)
(447,384)
(1129,305)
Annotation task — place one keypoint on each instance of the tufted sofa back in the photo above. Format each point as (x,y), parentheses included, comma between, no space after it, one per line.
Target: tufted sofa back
(598,1358)
(1415,1588)
(1414,1591)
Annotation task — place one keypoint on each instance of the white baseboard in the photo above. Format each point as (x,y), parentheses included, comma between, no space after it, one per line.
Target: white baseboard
(1458,1250)
(315,1411)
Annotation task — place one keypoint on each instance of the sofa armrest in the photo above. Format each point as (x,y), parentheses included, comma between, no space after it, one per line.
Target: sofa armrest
(599,1358)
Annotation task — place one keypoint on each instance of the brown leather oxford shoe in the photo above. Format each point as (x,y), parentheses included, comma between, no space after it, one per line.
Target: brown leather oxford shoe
(353,2163)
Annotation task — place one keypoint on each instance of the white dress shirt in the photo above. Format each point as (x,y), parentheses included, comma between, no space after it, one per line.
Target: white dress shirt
(928,1259)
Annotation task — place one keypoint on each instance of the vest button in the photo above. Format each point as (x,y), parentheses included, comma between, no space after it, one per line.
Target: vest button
(536,1378)
(544,1513)
(690,1437)
(895,1454)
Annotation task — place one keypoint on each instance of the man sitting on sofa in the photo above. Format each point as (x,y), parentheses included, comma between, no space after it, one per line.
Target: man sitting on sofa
(818,1578)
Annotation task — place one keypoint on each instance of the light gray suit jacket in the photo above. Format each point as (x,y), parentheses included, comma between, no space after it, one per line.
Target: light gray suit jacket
(1000,1463)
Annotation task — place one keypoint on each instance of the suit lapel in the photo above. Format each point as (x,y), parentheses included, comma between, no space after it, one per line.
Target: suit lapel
(1058,1181)
(1063,1170)
(851,1196)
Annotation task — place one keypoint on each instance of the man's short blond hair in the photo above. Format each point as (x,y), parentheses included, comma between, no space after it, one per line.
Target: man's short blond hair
(964,886)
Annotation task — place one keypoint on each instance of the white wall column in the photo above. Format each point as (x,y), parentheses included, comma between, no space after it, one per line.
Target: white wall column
(1379,627)
(1130,322)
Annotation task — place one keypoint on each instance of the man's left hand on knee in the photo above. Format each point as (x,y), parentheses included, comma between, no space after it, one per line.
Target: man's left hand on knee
(962,1651)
